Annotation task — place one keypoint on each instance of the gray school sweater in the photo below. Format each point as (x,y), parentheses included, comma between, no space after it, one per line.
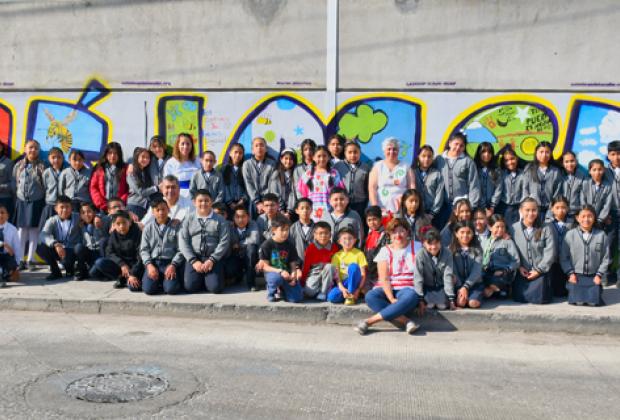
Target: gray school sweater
(235,189)
(6,174)
(600,198)
(585,257)
(286,192)
(139,193)
(257,181)
(446,235)
(415,223)
(430,184)
(201,243)
(490,187)
(93,238)
(534,254)
(50,181)
(75,184)
(545,188)
(264,227)
(355,179)
(156,171)
(614,180)
(300,240)
(510,189)
(27,181)
(250,236)
(467,267)
(503,254)
(571,189)
(211,182)
(51,232)
(460,178)
(350,219)
(427,274)
(158,244)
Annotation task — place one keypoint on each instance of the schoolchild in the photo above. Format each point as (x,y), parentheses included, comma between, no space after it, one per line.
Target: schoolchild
(6,173)
(541,179)
(208,178)
(257,172)
(235,194)
(411,209)
(489,176)
(10,253)
(511,186)
(94,239)
(500,260)
(354,174)
(280,263)
(537,251)
(204,240)
(433,274)
(596,191)
(572,182)
(302,231)
(270,205)
(467,265)
(159,157)
(429,182)
(74,181)
(308,147)
(245,239)
(51,177)
(141,185)
(282,182)
(376,239)
(585,259)
(350,266)
(481,225)
(342,216)
(160,254)
(560,225)
(462,211)
(335,145)
(317,275)
(58,239)
(613,229)
(109,177)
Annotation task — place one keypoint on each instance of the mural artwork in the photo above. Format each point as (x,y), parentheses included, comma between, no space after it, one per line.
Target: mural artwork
(6,125)
(180,113)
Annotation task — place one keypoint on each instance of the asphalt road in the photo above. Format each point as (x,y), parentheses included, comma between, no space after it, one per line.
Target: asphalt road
(232,370)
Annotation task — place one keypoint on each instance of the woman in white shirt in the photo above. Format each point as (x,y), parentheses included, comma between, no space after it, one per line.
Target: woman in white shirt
(183,163)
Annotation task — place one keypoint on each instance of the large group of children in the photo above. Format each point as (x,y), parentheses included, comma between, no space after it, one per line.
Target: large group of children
(455,231)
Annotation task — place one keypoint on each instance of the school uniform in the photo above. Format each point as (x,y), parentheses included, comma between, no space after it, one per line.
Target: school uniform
(613,230)
(543,186)
(571,189)
(558,278)
(483,236)
(50,182)
(156,168)
(120,250)
(460,178)
(244,244)
(256,176)
(8,263)
(489,187)
(75,185)
(430,184)
(355,178)
(178,211)
(6,191)
(68,234)
(599,197)
(535,254)
(510,196)
(467,266)
(30,193)
(159,246)
(94,241)
(350,219)
(234,191)
(500,255)
(415,223)
(264,227)
(446,234)
(298,173)
(433,277)
(141,188)
(317,275)
(284,190)
(203,238)
(375,240)
(106,182)
(301,236)
(210,181)
(585,254)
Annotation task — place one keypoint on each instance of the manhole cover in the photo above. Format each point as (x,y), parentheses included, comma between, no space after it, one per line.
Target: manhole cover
(117,387)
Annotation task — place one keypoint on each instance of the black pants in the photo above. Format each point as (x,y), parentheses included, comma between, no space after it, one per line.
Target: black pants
(86,258)
(213,281)
(8,264)
(161,285)
(51,258)
(242,265)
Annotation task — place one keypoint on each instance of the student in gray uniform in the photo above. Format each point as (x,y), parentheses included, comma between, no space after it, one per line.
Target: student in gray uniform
(412,211)
(94,240)
(559,226)
(489,176)
(232,179)
(208,178)
(6,172)
(596,191)
(302,231)
(541,180)
(58,239)
(74,181)
(307,147)
(613,176)
(585,259)
(500,260)
(510,186)
(462,211)
(342,216)
(257,172)
(354,174)
(204,240)
(459,174)
(467,266)
(572,180)
(433,274)
(536,246)
(429,182)
(140,183)
(481,224)
(160,254)
(159,157)
(270,205)
(282,182)
(51,177)
(245,240)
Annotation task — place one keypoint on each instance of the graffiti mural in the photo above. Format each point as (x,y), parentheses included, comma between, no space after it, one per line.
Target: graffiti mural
(179,113)
(6,125)
(521,121)
(592,124)
(60,123)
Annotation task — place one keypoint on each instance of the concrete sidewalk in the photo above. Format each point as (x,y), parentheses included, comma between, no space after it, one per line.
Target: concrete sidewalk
(35,294)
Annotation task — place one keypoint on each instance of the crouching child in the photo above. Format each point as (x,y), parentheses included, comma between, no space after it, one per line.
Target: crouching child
(317,275)
(10,249)
(350,265)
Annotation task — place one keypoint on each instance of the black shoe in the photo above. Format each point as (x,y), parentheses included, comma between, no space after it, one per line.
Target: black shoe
(70,274)
(54,276)
(22,266)
(120,284)
(81,276)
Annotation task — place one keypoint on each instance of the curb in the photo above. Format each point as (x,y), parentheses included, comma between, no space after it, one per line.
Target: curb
(475,320)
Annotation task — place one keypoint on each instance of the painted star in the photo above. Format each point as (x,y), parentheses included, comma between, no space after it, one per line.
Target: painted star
(299,131)
(522,113)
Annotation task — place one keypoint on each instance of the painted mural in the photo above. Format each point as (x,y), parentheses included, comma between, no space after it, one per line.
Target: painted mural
(6,125)
(55,122)
(521,121)
(180,113)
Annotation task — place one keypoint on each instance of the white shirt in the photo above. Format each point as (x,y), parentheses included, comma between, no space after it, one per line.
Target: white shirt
(181,208)
(11,238)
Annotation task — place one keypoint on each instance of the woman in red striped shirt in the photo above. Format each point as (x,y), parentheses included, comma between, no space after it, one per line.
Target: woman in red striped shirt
(394,294)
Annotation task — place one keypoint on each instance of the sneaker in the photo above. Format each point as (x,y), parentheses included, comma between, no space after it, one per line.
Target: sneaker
(411,327)
(120,284)
(349,301)
(361,328)
(271,298)
(53,276)
(321,296)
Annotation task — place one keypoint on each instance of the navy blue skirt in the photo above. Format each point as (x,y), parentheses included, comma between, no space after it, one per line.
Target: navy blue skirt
(28,213)
(48,212)
(585,291)
(535,291)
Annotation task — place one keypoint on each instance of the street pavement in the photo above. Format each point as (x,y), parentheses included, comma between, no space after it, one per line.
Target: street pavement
(221,369)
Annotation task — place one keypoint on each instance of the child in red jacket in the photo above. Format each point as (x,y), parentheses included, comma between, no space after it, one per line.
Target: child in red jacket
(317,275)
(109,178)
